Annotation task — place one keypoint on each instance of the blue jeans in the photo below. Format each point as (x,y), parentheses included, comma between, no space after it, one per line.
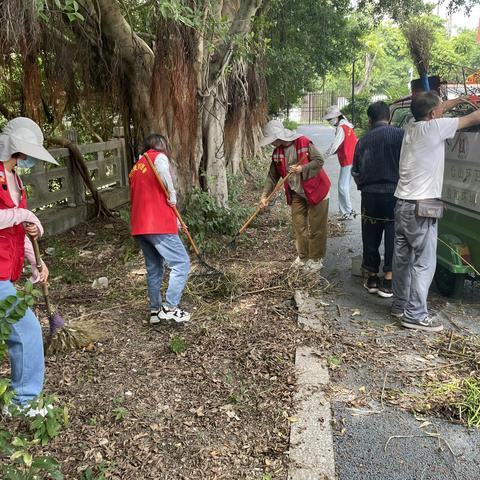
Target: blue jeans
(159,250)
(25,348)
(344,181)
(414,261)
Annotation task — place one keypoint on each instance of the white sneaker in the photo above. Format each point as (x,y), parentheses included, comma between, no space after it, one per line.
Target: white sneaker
(298,262)
(154,320)
(25,410)
(36,412)
(314,265)
(176,314)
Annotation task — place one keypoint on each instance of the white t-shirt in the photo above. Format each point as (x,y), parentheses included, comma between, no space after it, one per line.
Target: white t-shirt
(422,158)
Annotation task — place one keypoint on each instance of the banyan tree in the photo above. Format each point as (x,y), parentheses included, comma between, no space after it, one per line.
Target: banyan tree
(184,68)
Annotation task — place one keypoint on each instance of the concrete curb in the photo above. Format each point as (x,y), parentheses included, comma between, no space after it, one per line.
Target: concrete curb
(311,439)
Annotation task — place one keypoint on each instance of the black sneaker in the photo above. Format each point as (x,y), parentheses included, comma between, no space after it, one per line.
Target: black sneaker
(385,291)
(372,283)
(429,324)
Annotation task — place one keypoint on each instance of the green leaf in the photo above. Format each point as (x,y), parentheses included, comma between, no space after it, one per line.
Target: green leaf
(19,442)
(28,287)
(178,345)
(10,300)
(333,360)
(45,463)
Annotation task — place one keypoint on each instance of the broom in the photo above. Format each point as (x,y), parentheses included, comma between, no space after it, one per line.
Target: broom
(60,337)
(419,35)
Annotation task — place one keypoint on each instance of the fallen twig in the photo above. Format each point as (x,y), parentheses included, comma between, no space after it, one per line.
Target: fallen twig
(436,367)
(372,412)
(425,435)
(266,289)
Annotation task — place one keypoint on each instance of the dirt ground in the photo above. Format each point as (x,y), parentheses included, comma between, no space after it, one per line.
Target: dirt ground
(218,409)
(214,400)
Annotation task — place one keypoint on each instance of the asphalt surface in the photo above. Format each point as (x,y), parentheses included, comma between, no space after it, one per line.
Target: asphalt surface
(360,452)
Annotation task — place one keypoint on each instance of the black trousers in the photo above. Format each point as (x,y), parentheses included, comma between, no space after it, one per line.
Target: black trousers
(378,213)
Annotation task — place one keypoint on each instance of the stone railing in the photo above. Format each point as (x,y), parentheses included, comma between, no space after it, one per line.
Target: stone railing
(58,194)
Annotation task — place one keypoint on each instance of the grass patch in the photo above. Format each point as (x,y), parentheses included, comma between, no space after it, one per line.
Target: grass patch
(460,399)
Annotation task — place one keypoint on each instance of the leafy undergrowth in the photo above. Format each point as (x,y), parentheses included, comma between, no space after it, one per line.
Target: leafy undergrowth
(211,400)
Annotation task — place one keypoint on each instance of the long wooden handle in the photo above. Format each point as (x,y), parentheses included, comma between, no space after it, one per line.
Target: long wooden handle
(39,265)
(174,208)
(278,186)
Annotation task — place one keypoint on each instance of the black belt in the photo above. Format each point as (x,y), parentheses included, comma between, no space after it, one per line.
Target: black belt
(407,201)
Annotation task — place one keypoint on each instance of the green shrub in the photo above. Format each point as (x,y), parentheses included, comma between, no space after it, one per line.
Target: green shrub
(208,222)
(362,102)
(290,124)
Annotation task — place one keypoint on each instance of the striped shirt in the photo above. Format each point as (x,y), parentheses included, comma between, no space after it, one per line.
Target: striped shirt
(376,160)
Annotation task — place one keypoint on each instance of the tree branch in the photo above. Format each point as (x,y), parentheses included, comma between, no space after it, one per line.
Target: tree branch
(79,163)
(240,26)
(131,48)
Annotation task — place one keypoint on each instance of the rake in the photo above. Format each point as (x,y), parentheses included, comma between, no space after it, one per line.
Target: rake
(60,337)
(209,269)
(252,217)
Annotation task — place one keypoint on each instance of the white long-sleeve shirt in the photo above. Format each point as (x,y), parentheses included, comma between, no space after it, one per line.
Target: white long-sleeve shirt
(163,166)
(339,137)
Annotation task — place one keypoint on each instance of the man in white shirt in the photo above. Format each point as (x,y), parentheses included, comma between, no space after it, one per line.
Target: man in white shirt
(422,161)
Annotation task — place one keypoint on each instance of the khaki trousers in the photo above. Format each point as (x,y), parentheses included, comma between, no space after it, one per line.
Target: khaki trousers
(310,223)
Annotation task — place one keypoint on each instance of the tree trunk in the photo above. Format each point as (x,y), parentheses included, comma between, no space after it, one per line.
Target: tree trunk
(181,90)
(214,112)
(369,64)
(32,99)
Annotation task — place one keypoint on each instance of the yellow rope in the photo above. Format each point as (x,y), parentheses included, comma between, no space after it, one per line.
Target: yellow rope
(459,256)
(384,220)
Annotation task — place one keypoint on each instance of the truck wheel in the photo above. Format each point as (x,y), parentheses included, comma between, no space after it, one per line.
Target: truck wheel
(448,283)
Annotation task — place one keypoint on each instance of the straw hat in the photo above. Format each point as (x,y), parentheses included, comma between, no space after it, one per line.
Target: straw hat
(332,112)
(274,130)
(23,135)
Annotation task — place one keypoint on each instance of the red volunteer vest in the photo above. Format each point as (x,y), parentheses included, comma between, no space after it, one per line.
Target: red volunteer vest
(12,239)
(316,188)
(347,148)
(150,212)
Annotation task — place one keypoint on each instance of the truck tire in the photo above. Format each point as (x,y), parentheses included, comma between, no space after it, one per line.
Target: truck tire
(448,283)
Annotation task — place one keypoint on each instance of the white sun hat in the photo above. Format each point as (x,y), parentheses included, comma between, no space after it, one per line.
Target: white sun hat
(274,130)
(23,135)
(332,112)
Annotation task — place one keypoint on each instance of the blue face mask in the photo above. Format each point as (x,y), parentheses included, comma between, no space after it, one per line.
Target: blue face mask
(29,162)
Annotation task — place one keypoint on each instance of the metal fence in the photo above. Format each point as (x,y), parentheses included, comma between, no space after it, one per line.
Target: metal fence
(314,105)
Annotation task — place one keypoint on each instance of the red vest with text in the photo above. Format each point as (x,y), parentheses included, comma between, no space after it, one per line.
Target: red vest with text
(12,239)
(347,148)
(150,212)
(315,188)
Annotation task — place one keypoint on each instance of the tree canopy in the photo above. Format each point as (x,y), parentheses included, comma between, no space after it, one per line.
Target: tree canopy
(197,70)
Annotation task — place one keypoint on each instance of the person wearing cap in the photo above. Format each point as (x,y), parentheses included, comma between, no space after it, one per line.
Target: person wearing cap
(344,146)
(306,190)
(21,145)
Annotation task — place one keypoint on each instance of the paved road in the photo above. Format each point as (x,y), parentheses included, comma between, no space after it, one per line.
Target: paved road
(360,451)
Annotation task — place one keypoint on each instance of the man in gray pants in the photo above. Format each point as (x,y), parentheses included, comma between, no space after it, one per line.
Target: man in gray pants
(422,161)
